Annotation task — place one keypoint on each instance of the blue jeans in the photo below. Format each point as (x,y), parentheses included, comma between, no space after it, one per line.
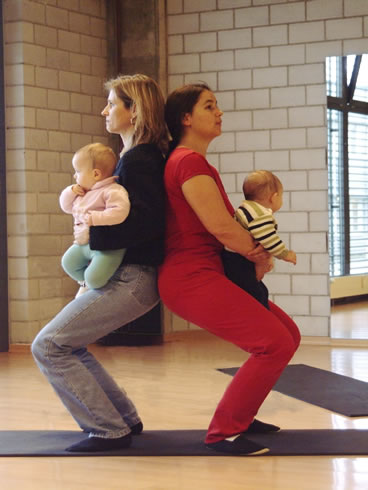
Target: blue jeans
(92,397)
(94,267)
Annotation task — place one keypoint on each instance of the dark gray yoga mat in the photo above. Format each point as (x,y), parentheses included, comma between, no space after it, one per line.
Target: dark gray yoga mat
(188,443)
(340,394)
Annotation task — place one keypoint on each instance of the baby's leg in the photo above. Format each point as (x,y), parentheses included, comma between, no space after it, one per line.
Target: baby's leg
(102,267)
(243,273)
(75,261)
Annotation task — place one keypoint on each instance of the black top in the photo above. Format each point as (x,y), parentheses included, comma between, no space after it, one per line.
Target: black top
(140,171)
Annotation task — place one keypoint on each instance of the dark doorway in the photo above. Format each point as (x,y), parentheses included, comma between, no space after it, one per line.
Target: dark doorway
(4,328)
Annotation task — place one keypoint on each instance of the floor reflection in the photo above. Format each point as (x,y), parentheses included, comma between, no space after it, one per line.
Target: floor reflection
(350,321)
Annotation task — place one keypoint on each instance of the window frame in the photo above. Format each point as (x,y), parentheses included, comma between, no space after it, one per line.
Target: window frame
(346,104)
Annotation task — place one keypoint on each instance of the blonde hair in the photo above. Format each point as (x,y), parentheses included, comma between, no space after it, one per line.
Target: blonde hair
(144,94)
(102,157)
(261,184)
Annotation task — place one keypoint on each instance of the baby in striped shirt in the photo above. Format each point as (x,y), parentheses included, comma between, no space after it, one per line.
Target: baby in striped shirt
(263,193)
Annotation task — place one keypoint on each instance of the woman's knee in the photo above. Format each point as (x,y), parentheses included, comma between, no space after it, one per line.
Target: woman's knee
(286,347)
(44,347)
(281,346)
(294,338)
(38,347)
(297,338)
(294,334)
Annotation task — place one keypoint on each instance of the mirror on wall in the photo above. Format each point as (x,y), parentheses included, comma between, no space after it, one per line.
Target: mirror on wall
(347,130)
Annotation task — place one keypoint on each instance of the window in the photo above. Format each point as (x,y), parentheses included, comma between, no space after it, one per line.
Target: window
(347,125)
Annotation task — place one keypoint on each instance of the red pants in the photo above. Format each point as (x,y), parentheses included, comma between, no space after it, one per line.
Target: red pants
(208,299)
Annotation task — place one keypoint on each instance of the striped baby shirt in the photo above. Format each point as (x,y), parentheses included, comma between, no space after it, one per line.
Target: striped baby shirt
(261,224)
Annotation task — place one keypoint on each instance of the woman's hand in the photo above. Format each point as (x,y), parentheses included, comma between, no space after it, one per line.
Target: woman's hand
(258,254)
(263,267)
(263,261)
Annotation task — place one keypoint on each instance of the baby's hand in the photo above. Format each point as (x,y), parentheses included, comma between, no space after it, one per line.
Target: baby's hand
(291,257)
(77,189)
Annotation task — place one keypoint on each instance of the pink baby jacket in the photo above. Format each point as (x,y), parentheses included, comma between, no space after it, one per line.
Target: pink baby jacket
(107,203)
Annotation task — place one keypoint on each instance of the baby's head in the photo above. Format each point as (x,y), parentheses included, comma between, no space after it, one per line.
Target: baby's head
(92,163)
(265,188)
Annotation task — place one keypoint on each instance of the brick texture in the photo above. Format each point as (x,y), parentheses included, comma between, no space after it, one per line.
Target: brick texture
(55,63)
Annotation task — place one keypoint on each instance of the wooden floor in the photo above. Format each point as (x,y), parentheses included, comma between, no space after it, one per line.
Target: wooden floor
(176,386)
(349,321)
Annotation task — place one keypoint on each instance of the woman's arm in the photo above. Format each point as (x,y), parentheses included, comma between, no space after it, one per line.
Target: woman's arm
(203,195)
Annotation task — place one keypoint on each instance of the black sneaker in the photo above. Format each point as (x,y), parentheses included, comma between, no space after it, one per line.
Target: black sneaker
(136,429)
(238,445)
(258,427)
(100,444)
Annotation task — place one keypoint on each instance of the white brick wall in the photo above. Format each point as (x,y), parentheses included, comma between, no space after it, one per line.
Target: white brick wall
(55,56)
(269,78)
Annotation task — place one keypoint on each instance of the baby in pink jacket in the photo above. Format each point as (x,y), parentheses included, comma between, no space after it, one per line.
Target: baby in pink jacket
(96,199)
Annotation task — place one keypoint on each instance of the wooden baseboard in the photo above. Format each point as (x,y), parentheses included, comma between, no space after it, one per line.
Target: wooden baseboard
(349,299)
(14,348)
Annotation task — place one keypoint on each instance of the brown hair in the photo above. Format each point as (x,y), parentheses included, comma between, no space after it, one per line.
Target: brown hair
(180,102)
(144,94)
(102,157)
(260,184)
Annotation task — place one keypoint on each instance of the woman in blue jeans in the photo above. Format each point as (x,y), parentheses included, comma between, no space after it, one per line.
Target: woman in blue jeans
(135,111)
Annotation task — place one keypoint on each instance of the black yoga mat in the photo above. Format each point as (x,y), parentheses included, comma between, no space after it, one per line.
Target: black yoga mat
(188,443)
(340,394)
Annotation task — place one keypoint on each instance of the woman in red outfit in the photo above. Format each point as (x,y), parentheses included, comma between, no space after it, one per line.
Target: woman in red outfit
(192,282)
